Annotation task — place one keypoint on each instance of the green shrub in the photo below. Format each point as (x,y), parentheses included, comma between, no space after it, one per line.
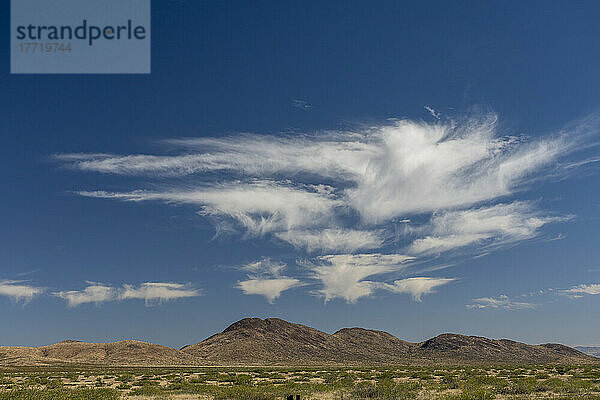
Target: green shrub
(61,394)
(385,389)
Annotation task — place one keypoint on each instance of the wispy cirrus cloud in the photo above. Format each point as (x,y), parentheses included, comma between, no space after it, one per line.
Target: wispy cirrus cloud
(149,292)
(336,240)
(493,225)
(159,292)
(93,293)
(539,296)
(500,302)
(265,278)
(339,194)
(331,154)
(344,275)
(582,290)
(339,276)
(378,173)
(271,288)
(260,206)
(19,291)
(420,168)
(417,287)
(301,104)
(264,267)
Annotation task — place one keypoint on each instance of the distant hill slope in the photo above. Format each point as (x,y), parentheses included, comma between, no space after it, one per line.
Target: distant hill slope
(273,341)
(589,350)
(474,349)
(126,352)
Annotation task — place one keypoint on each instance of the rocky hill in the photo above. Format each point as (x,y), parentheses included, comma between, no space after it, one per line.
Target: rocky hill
(126,352)
(273,341)
(269,341)
(475,349)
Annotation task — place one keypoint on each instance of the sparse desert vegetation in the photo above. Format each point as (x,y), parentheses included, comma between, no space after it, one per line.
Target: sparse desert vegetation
(490,369)
(275,342)
(409,382)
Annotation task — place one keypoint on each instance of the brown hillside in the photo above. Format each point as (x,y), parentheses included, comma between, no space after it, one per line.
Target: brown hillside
(276,342)
(477,349)
(273,341)
(268,341)
(126,352)
(378,346)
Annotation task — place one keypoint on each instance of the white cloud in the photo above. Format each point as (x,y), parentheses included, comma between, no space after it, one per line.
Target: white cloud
(419,168)
(158,291)
(261,206)
(271,288)
(389,170)
(331,154)
(417,287)
(500,302)
(342,192)
(498,224)
(264,278)
(19,291)
(301,104)
(584,289)
(264,267)
(433,113)
(383,260)
(438,244)
(343,275)
(94,293)
(380,173)
(148,291)
(333,240)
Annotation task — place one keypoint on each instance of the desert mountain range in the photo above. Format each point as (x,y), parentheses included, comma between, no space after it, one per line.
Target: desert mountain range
(273,341)
(591,350)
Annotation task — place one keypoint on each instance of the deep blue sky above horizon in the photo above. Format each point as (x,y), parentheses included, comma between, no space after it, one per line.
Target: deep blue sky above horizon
(503,206)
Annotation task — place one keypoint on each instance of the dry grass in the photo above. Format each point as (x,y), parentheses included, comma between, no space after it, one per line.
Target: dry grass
(419,383)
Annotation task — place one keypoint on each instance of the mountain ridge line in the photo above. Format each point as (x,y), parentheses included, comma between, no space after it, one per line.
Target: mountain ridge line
(276,342)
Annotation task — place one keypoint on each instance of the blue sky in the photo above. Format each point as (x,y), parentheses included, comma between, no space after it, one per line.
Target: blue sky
(415,168)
